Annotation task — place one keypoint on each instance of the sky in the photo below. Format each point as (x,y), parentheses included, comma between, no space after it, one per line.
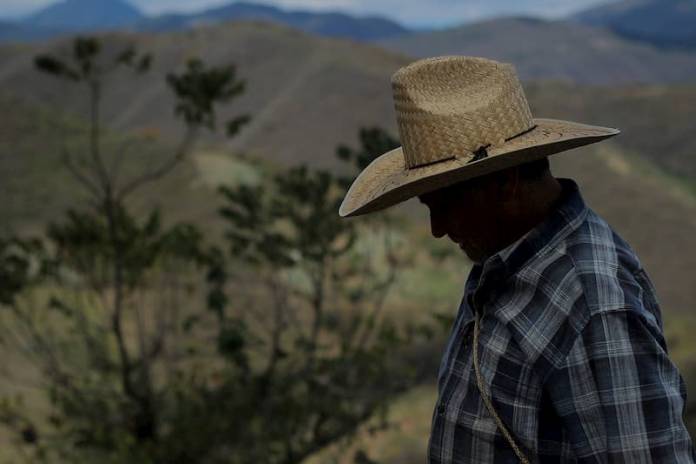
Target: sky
(415,13)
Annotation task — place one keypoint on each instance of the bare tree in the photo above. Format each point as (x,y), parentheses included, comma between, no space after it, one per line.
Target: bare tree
(105,260)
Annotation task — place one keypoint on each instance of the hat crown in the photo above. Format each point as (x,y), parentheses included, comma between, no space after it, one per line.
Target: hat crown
(449,107)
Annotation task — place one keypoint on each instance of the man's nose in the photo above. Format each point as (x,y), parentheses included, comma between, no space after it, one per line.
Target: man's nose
(437,225)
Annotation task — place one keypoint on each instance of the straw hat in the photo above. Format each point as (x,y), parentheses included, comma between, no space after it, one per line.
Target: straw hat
(459,117)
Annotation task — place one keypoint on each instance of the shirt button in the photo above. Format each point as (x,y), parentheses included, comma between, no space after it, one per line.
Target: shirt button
(441,410)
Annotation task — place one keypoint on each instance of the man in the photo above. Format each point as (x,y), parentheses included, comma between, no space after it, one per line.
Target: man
(557,353)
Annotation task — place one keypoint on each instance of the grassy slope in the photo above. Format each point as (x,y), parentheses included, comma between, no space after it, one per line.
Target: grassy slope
(37,188)
(34,186)
(656,121)
(301,89)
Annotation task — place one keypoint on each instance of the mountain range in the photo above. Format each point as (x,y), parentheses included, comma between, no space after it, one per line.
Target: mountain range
(70,16)
(562,50)
(324,24)
(665,23)
(80,15)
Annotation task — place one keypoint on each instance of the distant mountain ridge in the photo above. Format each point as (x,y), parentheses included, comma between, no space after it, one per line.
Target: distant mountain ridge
(69,16)
(328,24)
(665,23)
(80,15)
(558,50)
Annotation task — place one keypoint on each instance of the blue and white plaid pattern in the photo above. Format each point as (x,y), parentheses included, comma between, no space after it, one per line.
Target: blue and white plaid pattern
(571,351)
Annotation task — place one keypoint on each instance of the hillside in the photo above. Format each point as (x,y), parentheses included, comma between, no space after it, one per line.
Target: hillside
(554,50)
(656,120)
(30,170)
(303,108)
(666,23)
(35,185)
(18,32)
(333,84)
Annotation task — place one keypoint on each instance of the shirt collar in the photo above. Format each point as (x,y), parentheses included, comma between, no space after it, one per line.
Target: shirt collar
(568,214)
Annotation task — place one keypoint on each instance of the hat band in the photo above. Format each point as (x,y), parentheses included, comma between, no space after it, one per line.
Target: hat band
(476,155)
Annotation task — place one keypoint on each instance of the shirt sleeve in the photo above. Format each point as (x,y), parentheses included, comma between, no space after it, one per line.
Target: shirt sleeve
(619,396)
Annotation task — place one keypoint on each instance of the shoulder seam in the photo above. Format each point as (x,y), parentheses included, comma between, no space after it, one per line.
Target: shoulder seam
(625,309)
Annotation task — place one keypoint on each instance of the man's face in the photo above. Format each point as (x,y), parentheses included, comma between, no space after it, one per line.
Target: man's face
(464,213)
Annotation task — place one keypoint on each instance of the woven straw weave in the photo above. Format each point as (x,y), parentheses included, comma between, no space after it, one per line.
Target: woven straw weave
(449,107)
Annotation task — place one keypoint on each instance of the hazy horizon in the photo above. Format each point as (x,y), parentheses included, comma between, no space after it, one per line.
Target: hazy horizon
(412,13)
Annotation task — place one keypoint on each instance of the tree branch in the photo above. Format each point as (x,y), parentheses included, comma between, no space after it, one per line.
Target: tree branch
(95,132)
(118,159)
(164,169)
(79,176)
(280,300)
(382,290)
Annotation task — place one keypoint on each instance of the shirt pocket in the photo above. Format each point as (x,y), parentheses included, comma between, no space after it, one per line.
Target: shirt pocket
(514,381)
(460,404)
(515,384)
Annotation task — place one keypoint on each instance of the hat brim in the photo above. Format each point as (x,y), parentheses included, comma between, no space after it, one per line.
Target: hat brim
(387,181)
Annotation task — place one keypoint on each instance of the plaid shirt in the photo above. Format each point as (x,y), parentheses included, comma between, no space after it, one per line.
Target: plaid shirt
(571,351)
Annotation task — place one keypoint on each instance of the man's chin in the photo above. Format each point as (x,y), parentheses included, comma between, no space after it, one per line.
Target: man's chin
(473,255)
